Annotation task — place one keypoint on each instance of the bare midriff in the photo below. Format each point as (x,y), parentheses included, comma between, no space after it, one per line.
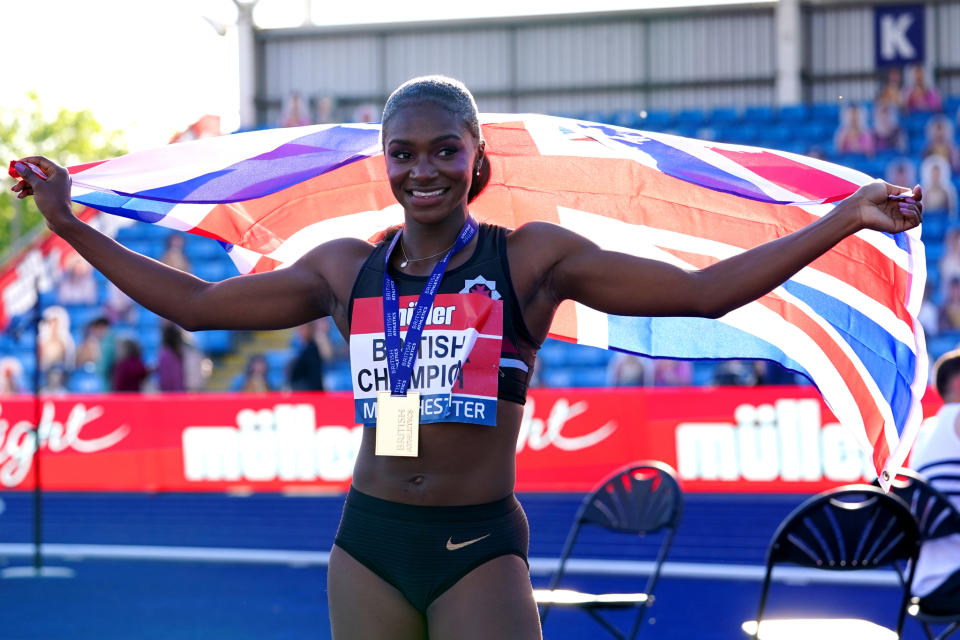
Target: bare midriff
(457,464)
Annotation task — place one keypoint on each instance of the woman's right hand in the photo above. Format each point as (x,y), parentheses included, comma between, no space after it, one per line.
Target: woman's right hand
(51,195)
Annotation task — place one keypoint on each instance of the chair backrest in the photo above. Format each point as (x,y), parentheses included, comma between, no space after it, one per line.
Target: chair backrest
(845,529)
(935,514)
(642,497)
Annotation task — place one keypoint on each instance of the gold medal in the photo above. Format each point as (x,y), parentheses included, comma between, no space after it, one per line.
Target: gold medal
(398,424)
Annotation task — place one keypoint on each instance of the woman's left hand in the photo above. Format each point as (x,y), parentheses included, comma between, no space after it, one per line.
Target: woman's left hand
(885,207)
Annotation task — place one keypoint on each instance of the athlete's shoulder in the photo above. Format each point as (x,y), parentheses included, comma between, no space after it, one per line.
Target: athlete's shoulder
(542,236)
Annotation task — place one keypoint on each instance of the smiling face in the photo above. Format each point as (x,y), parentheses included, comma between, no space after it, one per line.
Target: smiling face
(431,158)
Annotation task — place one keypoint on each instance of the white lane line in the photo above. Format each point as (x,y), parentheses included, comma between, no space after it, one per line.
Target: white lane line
(538,565)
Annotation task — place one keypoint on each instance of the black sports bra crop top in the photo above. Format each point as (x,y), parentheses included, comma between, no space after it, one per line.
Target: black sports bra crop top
(475,347)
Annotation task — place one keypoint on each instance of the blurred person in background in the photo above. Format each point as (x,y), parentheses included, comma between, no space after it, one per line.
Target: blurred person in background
(853,135)
(936,457)
(119,307)
(950,307)
(296,112)
(170,369)
(672,373)
(929,314)
(173,254)
(76,284)
(56,344)
(940,196)
(901,168)
(326,109)
(92,348)
(129,371)
(197,367)
(255,376)
(628,370)
(891,91)
(11,376)
(940,141)
(921,95)
(733,373)
(305,371)
(949,265)
(888,135)
(55,381)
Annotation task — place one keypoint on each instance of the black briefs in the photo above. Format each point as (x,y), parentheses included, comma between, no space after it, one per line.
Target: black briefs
(423,550)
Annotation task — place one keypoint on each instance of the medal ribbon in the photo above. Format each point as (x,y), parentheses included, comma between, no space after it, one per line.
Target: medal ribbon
(402,354)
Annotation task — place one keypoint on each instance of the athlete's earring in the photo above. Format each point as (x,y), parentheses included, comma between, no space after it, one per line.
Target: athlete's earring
(479,165)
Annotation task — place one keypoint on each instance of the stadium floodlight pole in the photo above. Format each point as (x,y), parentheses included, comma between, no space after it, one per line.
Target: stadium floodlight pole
(37,416)
(37,570)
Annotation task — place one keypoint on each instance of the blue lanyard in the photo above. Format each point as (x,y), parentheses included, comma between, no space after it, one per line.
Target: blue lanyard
(402,354)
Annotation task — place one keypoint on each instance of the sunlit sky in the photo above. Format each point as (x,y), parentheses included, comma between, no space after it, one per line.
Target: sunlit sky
(151,68)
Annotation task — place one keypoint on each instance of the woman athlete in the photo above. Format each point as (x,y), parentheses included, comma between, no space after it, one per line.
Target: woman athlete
(435,545)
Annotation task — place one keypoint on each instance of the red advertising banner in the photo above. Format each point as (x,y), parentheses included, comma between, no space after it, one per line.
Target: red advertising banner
(760,439)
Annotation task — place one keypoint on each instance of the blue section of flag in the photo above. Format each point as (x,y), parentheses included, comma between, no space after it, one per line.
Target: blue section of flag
(289,164)
(692,338)
(151,211)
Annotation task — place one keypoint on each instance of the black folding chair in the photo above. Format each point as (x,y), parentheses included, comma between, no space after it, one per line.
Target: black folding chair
(937,518)
(641,498)
(849,528)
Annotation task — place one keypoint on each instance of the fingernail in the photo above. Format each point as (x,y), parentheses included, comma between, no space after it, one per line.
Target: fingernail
(19,166)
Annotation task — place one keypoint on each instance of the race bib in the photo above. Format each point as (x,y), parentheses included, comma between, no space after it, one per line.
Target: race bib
(457,366)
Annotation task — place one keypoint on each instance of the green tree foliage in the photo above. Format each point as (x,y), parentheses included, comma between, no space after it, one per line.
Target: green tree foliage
(70,137)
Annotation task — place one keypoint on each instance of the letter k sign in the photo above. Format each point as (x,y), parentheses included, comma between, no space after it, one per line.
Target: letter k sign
(894,44)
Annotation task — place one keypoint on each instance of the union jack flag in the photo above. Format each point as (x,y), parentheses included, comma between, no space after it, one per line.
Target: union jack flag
(847,321)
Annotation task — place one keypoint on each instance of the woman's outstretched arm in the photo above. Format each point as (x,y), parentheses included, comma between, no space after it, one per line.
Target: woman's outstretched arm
(572,267)
(306,290)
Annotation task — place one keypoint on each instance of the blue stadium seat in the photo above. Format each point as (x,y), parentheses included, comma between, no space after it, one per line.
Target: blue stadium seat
(793,113)
(81,381)
(723,116)
(625,118)
(815,132)
(584,356)
(749,134)
(214,342)
(684,130)
(338,378)
(934,228)
(589,377)
(236,382)
(197,249)
(81,315)
(934,250)
(553,353)
(777,135)
(278,359)
(657,120)
(558,377)
(593,116)
(758,114)
(214,270)
(146,246)
(691,118)
(940,344)
(826,112)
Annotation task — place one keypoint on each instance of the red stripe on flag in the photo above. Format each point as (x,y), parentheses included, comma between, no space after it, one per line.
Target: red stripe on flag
(802,179)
